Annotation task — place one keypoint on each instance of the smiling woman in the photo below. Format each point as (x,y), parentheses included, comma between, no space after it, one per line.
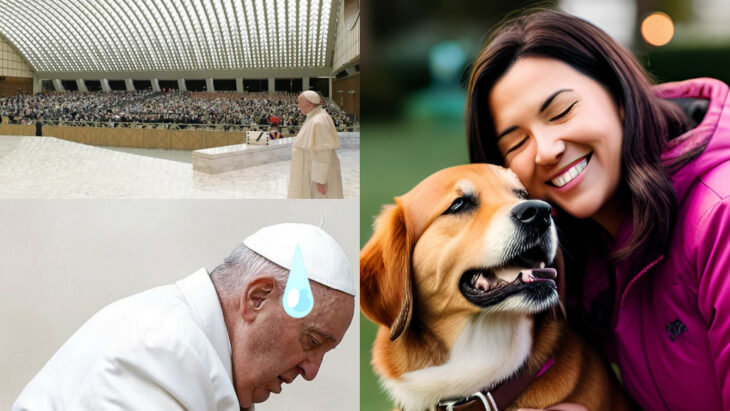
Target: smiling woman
(552,132)
(641,196)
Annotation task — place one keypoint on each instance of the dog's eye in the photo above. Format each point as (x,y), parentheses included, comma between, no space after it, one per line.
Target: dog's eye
(520,193)
(461,204)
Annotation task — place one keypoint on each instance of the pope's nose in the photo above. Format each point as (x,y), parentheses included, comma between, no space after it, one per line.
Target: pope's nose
(310,367)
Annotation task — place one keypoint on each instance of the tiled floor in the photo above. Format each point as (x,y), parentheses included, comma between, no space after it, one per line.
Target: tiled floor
(46,167)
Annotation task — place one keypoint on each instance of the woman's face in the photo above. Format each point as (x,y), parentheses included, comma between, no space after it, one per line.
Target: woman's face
(560,132)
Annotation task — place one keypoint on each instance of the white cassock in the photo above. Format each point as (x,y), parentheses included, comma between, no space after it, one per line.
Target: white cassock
(163,349)
(314,160)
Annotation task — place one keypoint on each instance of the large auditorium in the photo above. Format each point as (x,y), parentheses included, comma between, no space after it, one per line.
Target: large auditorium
(172,98)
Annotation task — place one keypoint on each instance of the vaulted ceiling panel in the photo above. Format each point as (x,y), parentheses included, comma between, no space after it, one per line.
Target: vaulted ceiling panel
(170,35)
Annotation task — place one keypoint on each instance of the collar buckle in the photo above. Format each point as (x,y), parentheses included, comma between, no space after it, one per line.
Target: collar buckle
(449,404)
(485,397)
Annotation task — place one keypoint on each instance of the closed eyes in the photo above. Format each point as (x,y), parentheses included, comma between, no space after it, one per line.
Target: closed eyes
(516,146)
(564,113)
(555,118)
(311,341)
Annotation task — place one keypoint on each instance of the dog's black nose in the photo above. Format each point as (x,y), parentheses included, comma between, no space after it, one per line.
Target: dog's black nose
(534,213)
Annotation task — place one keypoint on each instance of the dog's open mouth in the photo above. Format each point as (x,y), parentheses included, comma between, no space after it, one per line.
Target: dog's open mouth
(488,286)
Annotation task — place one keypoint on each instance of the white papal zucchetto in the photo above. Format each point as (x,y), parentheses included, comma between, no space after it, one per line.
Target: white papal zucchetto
(312,96)
(324,260)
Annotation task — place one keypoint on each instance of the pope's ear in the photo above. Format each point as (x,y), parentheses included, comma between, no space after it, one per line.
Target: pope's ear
(256,296)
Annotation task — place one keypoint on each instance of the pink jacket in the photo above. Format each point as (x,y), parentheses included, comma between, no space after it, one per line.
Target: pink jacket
(670,325)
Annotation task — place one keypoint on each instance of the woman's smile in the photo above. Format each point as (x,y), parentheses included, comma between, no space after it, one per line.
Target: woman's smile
(570,172)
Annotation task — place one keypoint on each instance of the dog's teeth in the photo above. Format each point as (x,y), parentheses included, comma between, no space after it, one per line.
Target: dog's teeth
(527,276)
(542,265)
(481,283)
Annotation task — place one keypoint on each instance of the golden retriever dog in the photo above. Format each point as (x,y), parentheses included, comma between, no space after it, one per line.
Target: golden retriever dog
(457,275)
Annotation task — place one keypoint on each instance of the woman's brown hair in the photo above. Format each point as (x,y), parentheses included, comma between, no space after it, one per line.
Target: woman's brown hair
(649,122)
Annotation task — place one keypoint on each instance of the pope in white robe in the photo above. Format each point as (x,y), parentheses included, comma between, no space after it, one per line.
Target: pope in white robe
(163,349)
(315,167)
(219,341)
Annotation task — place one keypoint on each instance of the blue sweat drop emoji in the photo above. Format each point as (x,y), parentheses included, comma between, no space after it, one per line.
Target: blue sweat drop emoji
(298,300)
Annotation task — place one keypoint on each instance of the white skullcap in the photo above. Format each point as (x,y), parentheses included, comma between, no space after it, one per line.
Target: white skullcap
(324,260)
(312,96)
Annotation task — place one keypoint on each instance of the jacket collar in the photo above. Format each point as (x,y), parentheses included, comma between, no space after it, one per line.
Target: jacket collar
(717,150)
(718,145)
(200,295)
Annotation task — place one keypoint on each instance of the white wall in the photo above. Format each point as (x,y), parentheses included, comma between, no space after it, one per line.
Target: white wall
(63,260)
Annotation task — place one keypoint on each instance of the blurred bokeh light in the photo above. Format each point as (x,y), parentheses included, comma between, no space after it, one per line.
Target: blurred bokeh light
(657,29)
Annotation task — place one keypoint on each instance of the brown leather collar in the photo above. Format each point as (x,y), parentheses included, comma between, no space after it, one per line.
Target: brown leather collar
(495,398)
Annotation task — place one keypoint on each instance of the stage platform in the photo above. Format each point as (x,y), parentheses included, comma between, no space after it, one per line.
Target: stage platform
(227,158)
(47,167)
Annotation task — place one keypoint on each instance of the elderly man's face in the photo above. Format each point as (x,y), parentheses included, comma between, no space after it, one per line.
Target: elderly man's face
(305,106)
(278,348)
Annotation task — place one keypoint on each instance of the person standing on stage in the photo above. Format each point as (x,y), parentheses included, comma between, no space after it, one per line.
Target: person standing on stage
(315,167)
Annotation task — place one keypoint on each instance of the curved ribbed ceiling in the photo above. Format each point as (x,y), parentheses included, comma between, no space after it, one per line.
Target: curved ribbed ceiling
(156,35)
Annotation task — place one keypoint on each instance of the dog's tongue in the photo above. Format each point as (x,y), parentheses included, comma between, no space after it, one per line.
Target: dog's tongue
(538,274)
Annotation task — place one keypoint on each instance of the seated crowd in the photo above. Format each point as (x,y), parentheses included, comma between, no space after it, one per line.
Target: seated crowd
(167,109)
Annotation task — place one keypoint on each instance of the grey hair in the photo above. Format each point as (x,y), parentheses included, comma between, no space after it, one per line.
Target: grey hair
(243,266)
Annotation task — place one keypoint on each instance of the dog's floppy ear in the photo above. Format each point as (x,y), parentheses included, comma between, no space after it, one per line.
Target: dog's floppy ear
(385,272)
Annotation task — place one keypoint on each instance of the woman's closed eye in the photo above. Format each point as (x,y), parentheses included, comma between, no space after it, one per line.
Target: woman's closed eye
(564,113)
(516,146)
